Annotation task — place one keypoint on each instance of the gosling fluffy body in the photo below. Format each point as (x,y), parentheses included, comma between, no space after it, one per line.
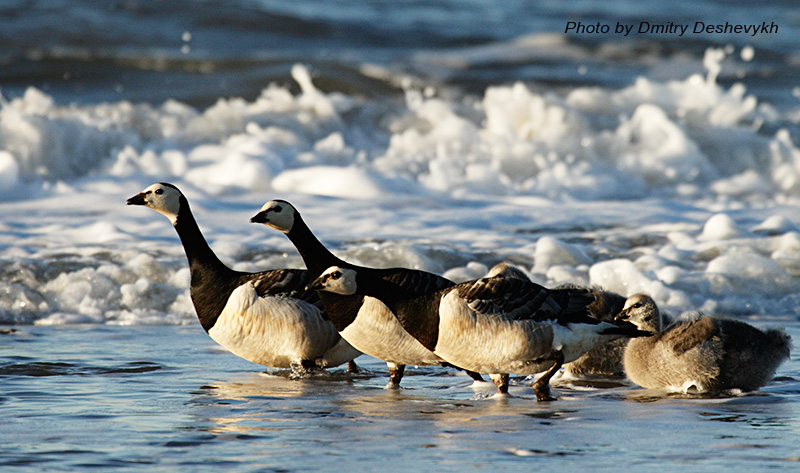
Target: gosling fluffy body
(703,355)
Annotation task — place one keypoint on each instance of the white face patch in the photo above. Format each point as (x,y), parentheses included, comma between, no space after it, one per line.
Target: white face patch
(163,199)
(338,280)
(279,215)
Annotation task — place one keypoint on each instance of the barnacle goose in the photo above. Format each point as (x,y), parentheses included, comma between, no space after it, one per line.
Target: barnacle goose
(376,331)
(494,325)
(269,317)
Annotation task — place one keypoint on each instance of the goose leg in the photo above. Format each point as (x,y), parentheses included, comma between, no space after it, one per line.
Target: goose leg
(395,374)
(501,381)
(475,376)
(352,367)
(542,385)
(304,367)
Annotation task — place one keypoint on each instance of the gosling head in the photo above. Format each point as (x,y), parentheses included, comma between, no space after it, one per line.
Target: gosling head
(337,280)
(278,214)
(162,197)
(642,311)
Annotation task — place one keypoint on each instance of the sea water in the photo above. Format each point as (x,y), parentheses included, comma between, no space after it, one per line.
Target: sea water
(165,398)
(443,136)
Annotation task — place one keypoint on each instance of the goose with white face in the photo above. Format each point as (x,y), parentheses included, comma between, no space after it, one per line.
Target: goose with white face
(266,317)
(277,214)
(338,281)
(161,197)
(375,330)
(494,325)
(282,216)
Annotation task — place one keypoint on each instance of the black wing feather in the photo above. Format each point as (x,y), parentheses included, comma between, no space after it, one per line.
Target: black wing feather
(285,282)
(518,299)
(416,282)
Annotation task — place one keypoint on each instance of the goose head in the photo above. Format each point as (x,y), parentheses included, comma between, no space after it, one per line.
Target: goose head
(507,270)
(162,197)
(277,214)
(337,280)
(642,311)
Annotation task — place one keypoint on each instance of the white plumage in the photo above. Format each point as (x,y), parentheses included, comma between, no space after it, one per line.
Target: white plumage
(277,331)
(377,331)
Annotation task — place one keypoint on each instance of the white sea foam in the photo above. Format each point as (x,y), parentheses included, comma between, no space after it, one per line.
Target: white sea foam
(449,185)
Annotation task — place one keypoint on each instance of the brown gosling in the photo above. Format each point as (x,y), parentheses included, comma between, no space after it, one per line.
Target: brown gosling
(703,355)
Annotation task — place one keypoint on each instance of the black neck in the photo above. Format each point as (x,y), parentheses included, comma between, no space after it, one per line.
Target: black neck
(316,257)
(211,281)
(386,291)
(342,310)
(417,314)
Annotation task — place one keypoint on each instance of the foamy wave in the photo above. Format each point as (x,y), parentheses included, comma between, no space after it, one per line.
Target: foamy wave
(689,137)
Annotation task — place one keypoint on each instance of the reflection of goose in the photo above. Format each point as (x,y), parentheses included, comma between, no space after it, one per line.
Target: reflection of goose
(492,325)
(375,330)
(260,385)
(706,355)
(255,399)
(274,403)
(269,317)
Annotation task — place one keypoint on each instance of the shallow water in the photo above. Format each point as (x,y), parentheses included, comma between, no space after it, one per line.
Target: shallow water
(167,399)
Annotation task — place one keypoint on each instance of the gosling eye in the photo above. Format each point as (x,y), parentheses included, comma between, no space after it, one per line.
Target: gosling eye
(637,305)
(159,191)
(336,275)
(277,209)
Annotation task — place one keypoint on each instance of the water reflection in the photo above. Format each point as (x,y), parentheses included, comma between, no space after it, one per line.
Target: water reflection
(260,403)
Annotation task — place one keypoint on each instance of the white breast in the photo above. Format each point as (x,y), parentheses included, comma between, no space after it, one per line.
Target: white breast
(377,332)
(272,331)
(488,343)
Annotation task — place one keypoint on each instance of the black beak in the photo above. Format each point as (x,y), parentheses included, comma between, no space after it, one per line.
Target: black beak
(138,199)
(623,323)
(260,217)
(316,284)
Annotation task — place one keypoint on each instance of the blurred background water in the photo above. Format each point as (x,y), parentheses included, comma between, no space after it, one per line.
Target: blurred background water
(197,51)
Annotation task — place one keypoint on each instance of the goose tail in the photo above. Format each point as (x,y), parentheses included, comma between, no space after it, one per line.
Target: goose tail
(625,329)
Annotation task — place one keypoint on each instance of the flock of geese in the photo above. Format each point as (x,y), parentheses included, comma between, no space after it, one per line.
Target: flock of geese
(333,311)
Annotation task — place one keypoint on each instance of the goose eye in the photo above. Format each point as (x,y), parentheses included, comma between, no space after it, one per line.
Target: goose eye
(159,191)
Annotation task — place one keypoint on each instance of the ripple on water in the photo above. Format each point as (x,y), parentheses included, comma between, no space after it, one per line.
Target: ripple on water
(57,368)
